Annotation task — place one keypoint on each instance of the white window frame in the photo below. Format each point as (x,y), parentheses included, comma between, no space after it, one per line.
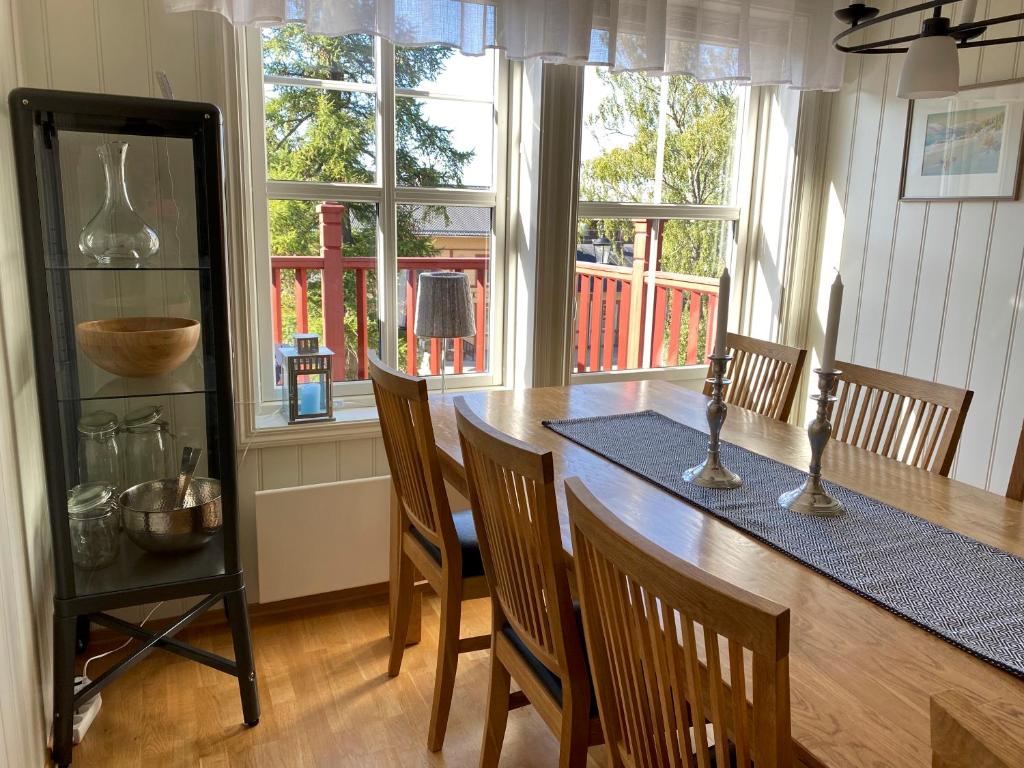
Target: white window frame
(735,256)
(387,195)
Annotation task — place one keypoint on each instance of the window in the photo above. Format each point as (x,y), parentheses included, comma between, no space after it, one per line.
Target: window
(378,164)
(657,218)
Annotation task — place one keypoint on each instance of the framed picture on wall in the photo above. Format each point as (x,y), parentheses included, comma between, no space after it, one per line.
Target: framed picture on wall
(965,147)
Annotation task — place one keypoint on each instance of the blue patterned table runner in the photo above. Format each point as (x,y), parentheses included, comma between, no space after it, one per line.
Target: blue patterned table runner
(966,592)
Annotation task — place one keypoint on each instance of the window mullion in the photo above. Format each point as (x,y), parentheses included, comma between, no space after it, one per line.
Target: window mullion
(387,243)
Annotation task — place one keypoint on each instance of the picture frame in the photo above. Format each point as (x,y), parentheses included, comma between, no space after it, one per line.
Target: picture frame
(965,147)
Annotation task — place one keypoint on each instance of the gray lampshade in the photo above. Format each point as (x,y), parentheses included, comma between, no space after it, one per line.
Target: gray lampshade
(444,308)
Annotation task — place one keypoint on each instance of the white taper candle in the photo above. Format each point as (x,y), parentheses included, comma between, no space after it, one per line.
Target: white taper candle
(968,10)
(722,322)
(835,308)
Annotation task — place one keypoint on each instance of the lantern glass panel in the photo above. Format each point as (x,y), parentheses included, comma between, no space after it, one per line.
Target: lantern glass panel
(313,391)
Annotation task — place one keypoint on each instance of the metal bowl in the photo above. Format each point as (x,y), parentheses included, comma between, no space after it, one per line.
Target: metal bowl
(156,524)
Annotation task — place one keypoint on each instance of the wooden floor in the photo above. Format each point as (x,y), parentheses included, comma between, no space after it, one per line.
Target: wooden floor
(326,701)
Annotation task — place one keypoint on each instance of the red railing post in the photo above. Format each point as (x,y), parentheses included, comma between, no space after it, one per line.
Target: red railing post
(480,340)
(658,332)
(583,325)
(635,329)
(674,328)
(275,304)
(362,326)
(710,324)
(609,323)
(410,322)
(596,300)
(693,329)
(301,301)
(333,285)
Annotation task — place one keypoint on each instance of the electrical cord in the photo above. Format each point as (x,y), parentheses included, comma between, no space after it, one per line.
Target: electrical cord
(121,647)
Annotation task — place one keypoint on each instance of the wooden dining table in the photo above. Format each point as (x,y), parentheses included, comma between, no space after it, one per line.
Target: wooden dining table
(861,677)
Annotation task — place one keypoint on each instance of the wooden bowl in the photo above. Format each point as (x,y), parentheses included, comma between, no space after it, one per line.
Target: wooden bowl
(138,346)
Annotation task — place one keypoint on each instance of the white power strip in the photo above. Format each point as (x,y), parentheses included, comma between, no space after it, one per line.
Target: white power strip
(86,713)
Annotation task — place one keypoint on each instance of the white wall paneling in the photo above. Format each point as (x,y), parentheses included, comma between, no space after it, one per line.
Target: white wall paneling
(26,586)
(934,290)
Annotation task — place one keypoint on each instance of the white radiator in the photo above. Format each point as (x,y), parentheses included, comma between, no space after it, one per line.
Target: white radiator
(322,538)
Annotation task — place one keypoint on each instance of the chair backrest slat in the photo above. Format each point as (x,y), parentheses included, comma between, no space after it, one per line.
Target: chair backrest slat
(656,627)
(512,491)
(911,420)
(765,376)
(408,433)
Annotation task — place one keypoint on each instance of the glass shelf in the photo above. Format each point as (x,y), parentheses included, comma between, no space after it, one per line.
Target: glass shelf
(94,267)
(185,380)
(135,568)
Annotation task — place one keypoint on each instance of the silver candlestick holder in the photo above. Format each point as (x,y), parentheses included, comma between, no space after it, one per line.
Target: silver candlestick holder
(812,498)
(712,473)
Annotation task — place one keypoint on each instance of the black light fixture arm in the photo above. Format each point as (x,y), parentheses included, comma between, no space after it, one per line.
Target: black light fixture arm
(860,17)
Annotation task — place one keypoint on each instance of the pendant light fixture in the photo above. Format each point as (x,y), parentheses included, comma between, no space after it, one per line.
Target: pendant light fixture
(932,67)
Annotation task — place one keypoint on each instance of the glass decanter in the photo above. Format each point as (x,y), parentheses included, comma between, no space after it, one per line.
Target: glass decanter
(117,234)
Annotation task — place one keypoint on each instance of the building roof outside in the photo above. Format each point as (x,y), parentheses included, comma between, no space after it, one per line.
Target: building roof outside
(451,221)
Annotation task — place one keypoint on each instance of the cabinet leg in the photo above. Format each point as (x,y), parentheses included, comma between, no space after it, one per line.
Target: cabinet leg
(237,611)
(63,688)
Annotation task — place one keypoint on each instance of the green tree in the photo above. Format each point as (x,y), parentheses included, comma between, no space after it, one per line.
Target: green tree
(700,130)
(699,137)
(315,134)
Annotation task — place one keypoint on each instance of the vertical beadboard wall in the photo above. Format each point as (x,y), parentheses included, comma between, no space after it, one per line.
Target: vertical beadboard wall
(933,290)
(25,582)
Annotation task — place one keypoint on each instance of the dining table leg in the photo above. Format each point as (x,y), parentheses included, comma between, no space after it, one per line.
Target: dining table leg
(394,558)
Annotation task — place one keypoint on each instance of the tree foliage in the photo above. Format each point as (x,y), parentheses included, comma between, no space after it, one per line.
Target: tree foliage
(316,134)
(699,137)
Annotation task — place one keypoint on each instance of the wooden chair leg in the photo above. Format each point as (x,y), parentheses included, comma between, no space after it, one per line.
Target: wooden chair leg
(497,713)
(403,611)
(575,735)
(447,664)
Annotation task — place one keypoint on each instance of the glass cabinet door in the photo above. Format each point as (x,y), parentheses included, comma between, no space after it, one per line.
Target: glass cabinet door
(128,275)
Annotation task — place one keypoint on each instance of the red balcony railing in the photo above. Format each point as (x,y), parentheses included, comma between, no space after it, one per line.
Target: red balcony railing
(612,307)
(340,317)
(612,303)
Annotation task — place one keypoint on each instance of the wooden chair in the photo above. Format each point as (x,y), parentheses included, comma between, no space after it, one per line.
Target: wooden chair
(914,421)
(765,376)
(1015,490)
(440,545)
(661,633)
(971,732)
(535,637)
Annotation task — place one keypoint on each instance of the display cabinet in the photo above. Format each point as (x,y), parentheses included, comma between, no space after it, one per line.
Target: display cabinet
(121,206)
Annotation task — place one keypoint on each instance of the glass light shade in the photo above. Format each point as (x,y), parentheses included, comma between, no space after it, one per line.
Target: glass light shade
(931,69)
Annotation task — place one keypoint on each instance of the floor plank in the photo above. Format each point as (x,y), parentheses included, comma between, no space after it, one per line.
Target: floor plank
(326,699)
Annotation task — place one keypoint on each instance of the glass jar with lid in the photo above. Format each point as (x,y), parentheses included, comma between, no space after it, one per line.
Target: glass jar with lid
(95,522)
(99,450)
(149,453)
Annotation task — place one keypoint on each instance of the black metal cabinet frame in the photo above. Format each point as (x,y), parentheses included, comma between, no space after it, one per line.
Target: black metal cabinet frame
(39,117)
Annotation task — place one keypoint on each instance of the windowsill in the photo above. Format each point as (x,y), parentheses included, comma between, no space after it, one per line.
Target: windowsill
(355,416)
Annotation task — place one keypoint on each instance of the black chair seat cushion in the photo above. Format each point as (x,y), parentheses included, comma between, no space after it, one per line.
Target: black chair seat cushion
(472,563)
(549,679)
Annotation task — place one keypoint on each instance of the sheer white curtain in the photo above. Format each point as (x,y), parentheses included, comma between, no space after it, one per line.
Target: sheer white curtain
(757,41)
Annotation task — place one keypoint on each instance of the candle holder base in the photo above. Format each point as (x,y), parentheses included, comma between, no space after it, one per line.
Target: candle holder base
(811,499)
(711,474)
